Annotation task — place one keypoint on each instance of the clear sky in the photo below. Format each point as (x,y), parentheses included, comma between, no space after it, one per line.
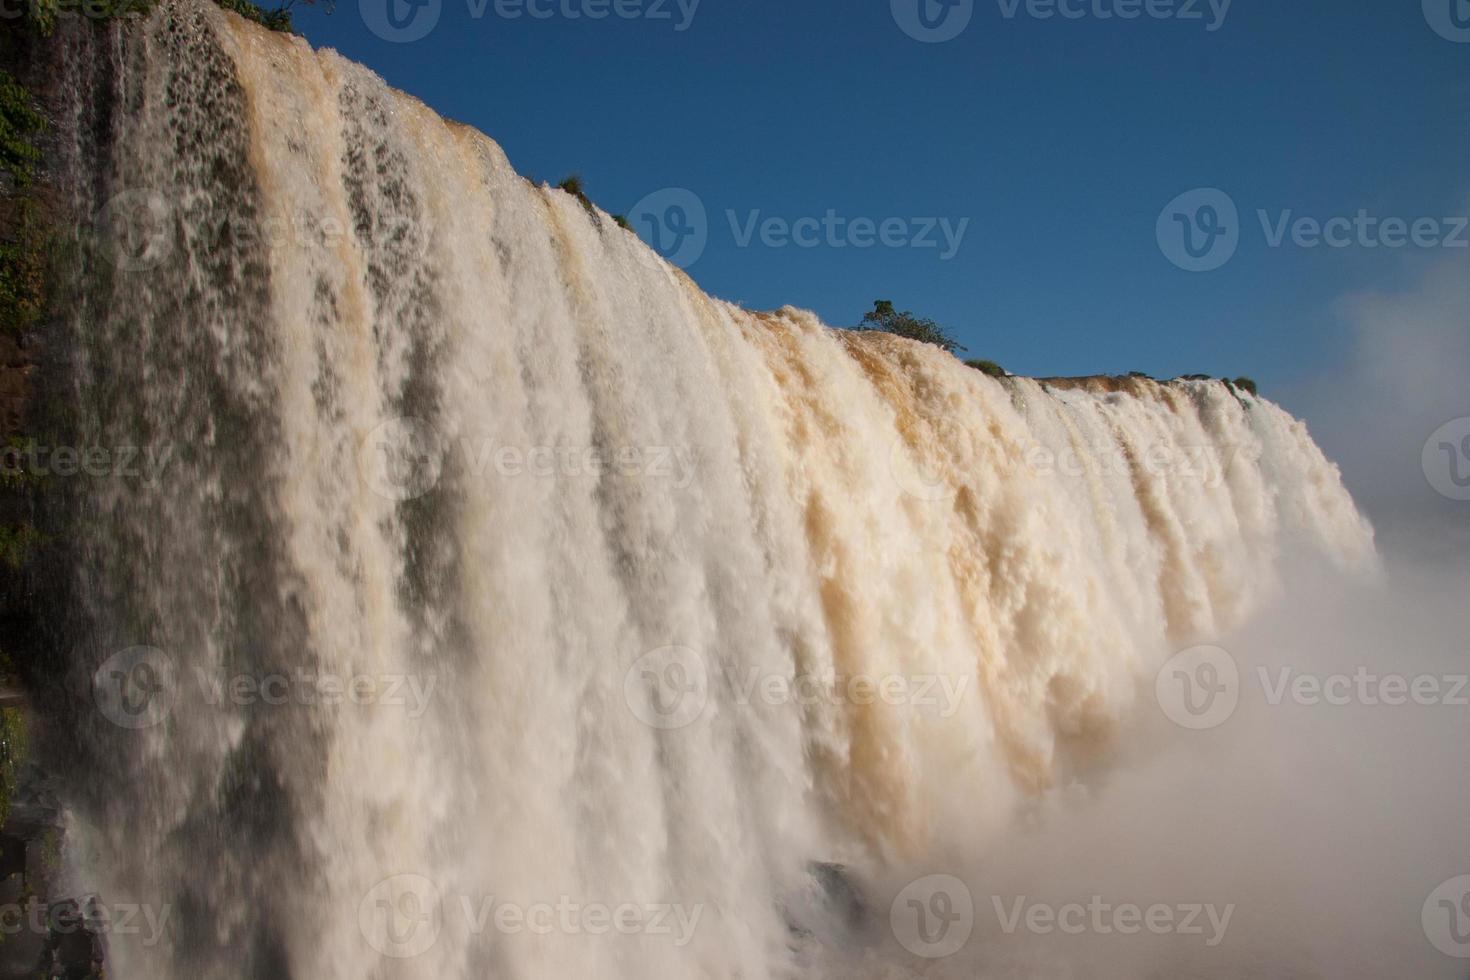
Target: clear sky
(1060,139)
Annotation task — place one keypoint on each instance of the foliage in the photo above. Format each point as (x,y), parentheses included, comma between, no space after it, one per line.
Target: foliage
(20,123)
(16,543)
(23,239)
(573,185)
(22,230)
(13,744)
(276,20)
(885,318)
(622,222)
(1140,374)
(989,367)
(43,14)
(1246,384)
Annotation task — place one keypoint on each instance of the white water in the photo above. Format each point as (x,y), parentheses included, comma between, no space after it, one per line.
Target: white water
(360,308)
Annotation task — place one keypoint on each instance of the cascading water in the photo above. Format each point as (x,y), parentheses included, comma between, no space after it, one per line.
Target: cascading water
(603,564)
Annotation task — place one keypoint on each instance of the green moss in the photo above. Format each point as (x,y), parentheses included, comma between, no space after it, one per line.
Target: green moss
(24,237)
(20,124)
(13,745)
(42,15)
(22,224)
(17,541)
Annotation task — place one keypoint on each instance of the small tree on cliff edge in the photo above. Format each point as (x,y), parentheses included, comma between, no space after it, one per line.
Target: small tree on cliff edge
(884,317)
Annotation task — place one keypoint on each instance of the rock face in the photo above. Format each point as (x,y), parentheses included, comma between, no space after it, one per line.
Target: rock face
(16,368)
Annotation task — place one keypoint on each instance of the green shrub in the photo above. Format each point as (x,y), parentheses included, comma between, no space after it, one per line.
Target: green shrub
(1246,384)
(1140,374)
(622,222)
(276,20)
(573,185)
(989,367)
(885,318)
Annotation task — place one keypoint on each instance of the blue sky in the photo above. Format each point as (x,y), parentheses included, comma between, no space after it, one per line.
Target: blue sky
(1059,139)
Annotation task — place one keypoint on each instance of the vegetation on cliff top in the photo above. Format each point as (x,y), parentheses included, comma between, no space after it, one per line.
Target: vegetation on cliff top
(885,318)
(988,367)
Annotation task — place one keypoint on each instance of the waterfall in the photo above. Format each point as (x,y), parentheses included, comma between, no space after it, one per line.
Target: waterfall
(472,558)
